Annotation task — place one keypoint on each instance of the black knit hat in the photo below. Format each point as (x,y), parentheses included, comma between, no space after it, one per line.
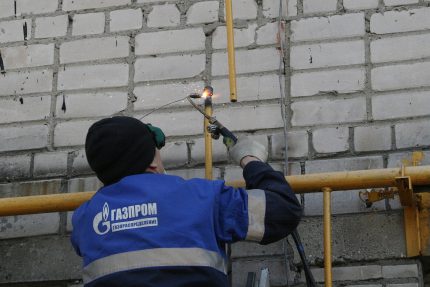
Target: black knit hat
(119,146)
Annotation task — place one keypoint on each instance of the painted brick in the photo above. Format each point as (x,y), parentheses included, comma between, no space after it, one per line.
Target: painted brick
(27,56)
(402,105)
(396,159)
(88,24)
(30,188)
(71,133)
(80,164)
(372,138)
(127,19)
(69,5)
(350,273)
(171,67)
(14,167)
(194,173)
(164,16)
(400,271)
(327,55)
(244,9)
(29,225)
(219,151)
(400,21)
(203,12)
(154,96)
(331,27)
(23,138)
(330,140)
(48,27)
(321,111)
(399,2)
(174,154)
(268,34)
(245,61)
(93,76)
(242,37)
(170,41)
(6,8)
(401,76)
(271,8)
(88,104)
(319,6)
(400,48)
(412,134)
(50,164)
(32,108)
(362,4)
(248,88)
(25,82)
(297,145)
(12,31)
(36,7)
(336,81)
(94,49)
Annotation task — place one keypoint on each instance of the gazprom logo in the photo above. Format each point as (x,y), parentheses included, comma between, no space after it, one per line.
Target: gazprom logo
(101,224)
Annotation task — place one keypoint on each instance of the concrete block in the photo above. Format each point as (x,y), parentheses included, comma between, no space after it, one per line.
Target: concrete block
(23,137)
(170,41)
(395,159)
(94,49)
(48,27)
(88,24)
(27,56)
(219,151)
(400,21)
(412,134)
(400,271)
(93,76)
(399,2)
(372,138)
(268,34)
(402,105)
(12,167)
(153,96)
(400,48)
(401,76)
(249,88)
(171,67)
(29,188)
(242,37)
(174,154)
(88,104)
(327,55)
(297,144)
(25,82)
(33,7)
(194,173)
(166,15)
(320,111)
(50,164)
(331,140)
(31,108)
(80,164)
(350,273)
(244,9)
(319,6)
(335,81)
(71,133)
(344,164)
(69,5)
(331,27)
(29,225)
(12,31)
(271,8)
(276,265)
(203,12)
(245,61)
(362,4)
(127,19)
(6,8)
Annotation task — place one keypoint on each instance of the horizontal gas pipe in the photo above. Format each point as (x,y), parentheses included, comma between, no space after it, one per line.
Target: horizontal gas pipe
(347,180)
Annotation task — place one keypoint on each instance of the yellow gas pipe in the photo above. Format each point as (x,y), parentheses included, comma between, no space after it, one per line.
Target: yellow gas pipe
(327,236)
(208,139)
(230,50)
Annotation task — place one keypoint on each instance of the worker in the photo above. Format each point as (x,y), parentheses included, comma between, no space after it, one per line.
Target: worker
(147,228)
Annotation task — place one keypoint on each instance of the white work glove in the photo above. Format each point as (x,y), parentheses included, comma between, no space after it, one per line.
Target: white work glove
(247,147)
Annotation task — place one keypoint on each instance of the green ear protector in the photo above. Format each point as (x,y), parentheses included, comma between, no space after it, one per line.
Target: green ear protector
(158,135)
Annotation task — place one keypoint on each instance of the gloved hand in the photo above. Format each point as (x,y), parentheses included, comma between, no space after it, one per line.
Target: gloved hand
(247,147)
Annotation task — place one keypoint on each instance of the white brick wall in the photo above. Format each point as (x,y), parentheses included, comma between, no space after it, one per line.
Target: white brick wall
(69,5)
(297,144)
(244,9)
(344,164)
(96,76)
(164,16)
(29,225)
(12,31)
(25,82)
(170,41)
(203,12)
(271,8)
(268,34)
(71,133)
(174,154)
(242,37)
(80,166)
(48,27)
(127,19)
(15,166)
(6,8)
(94,49)
(50,164)
(28,56)
(399,2)
(362,4)
(319,6)
(401,105)
(32,108)
(219,151)
(36,7)
(372,138)
(330,140)
(412,134)
(400,21)
(88,24)
(23,138)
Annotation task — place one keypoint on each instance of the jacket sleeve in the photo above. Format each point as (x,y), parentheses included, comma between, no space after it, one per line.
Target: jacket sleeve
(282,211)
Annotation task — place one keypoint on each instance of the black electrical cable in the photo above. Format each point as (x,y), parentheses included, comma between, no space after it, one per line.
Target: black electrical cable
(310,281)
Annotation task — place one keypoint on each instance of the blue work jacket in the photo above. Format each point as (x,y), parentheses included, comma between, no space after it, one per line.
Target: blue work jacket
(161,230)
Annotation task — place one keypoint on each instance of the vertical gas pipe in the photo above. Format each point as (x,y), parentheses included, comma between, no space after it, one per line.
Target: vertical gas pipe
(327,236)
(207,95)
(230,50)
